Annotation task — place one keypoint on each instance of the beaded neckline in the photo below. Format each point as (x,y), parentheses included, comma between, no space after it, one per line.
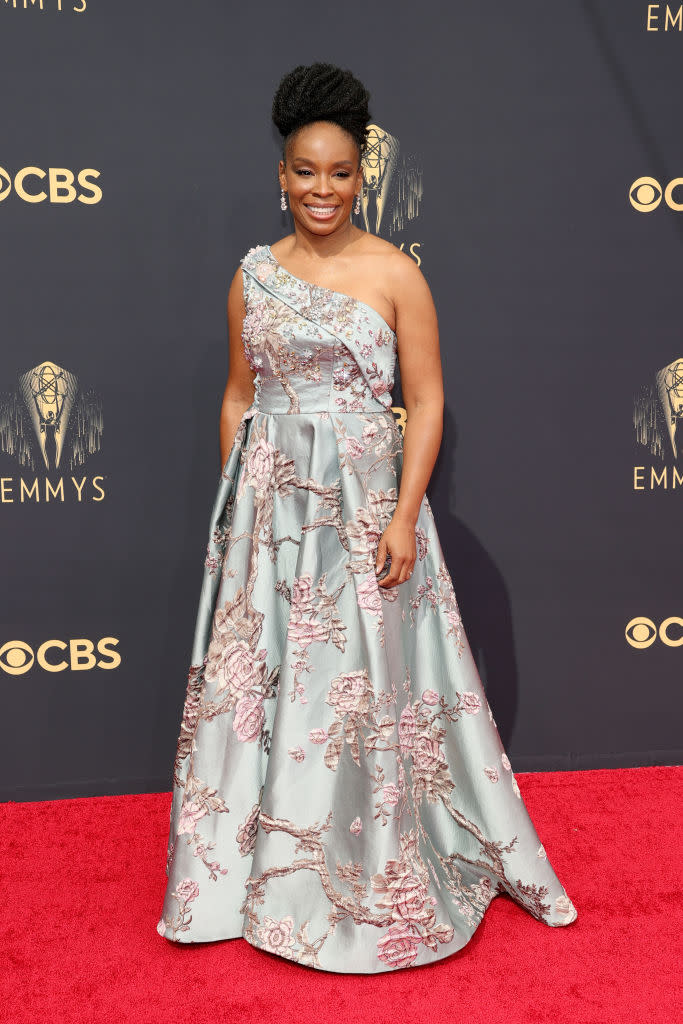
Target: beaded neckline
(324,288)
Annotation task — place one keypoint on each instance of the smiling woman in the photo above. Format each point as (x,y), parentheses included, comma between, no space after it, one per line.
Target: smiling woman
(341,793)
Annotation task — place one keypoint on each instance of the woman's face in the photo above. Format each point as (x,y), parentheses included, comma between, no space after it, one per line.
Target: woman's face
(322,176)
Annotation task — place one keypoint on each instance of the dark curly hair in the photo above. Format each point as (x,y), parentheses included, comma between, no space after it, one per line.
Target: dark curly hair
(321,92)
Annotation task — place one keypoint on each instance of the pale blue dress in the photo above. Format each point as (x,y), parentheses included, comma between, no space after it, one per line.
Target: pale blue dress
(341,795)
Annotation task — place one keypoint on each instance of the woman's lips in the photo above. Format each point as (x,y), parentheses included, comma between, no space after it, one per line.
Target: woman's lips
(321,212)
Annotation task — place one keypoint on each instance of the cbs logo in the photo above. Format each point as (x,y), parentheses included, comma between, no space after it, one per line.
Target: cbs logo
(645,194)
(642,632)
(55,185)
(16,657)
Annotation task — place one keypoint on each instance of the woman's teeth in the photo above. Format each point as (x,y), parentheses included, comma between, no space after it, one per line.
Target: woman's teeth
(322,212)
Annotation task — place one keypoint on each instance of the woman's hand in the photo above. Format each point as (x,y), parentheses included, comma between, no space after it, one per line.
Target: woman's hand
(398,540)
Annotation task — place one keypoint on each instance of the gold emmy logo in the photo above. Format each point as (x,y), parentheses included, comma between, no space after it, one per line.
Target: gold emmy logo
(642,632)
(658,423)
(47,409)
(392,184)
(657,419)
(56,185)
(645,194)
(17,657)
(50,423)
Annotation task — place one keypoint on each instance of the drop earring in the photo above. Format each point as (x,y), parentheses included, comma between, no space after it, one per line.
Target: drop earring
(356,205)
(283,201)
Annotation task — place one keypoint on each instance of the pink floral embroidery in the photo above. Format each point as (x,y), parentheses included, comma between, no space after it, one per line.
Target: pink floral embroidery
(354,447)
(249,718)
(369,598)
(407,729)
(318,735)
(187,890)
(470,702)
(390,795)
(189,816)
(398,946)
(246,833)
(263,270)
(276,936)
(349,692)
(356,826)
(233,665)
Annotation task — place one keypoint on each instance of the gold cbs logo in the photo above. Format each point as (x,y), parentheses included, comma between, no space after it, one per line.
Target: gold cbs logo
(645,194)
(16,657)
(642,632)
(54,185)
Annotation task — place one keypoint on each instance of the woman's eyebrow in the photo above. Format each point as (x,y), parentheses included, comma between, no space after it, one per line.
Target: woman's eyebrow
(305,160)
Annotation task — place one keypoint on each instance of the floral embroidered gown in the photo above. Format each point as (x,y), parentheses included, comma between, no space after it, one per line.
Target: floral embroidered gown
(341,795)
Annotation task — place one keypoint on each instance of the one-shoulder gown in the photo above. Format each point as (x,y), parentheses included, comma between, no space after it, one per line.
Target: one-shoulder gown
(341,795)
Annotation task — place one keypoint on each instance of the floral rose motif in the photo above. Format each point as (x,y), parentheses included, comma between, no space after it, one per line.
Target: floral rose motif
(470,702)
(264,270)
(161,927)
(276,936)
(296,753)
(398,946)
(249,718)
(365,528)
(505,761)
(541,853)
(304,627)
(491,773)
(369,597)
(430,697)
(354,447)
(246,833)
(259,465)
(349,693)
(234,665)
(370,432)
(306,631)
(515,788)
(407,729)
(302,592)
(410,898)
(454,617)
(427,755)
(564,905)
(318,735)
(356,826)
(390,795)
(189,816)
(187,890)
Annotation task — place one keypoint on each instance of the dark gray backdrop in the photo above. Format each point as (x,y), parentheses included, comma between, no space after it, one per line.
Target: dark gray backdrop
(557,303)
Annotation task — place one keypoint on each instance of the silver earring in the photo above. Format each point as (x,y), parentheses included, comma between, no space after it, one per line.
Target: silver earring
(283,201)
(356,205)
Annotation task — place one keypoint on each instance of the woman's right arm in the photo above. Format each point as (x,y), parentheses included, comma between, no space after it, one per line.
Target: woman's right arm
(239,390)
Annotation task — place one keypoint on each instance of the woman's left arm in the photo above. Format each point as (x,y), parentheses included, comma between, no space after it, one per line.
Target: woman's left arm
(419,359)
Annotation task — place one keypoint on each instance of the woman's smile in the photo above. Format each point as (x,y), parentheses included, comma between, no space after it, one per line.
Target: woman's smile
(322,211)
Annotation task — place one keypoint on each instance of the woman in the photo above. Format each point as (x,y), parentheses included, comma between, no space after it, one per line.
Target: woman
(341,794)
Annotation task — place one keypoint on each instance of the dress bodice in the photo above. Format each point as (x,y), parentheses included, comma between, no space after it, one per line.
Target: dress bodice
(313,349)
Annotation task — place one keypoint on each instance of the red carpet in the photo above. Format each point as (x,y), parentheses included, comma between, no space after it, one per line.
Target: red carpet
(83,880)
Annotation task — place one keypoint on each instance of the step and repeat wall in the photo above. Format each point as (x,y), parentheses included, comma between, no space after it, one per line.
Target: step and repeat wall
(529,158)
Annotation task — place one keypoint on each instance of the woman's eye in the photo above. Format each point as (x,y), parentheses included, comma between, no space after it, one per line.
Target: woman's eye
(344,174)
